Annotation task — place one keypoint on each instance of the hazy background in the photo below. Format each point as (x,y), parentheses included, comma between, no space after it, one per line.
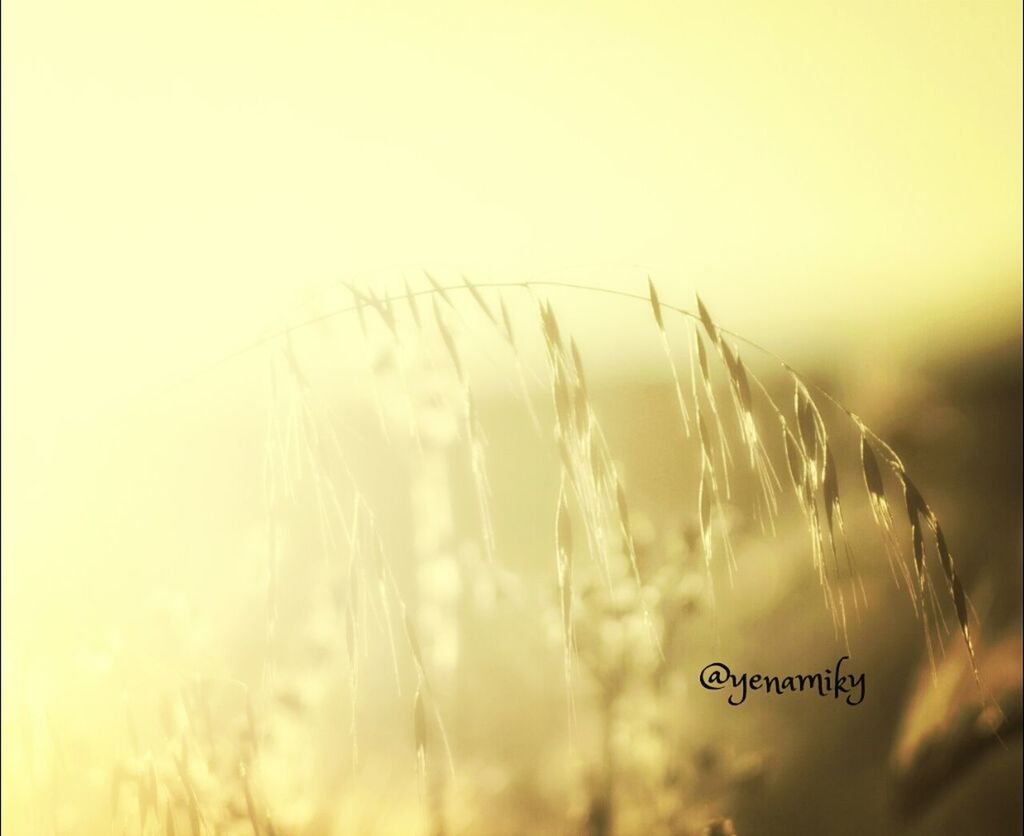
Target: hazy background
(176,175)
(840,183)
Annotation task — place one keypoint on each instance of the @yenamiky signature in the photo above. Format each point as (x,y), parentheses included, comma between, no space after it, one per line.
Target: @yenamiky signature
(831,682)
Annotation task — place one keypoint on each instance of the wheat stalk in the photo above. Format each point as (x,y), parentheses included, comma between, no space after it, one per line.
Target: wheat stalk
(809,458)
(592,513)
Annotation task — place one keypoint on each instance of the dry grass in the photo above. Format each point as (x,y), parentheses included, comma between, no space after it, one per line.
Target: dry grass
(201,783)
(590,481)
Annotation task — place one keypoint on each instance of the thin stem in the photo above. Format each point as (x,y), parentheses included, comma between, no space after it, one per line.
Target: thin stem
(530,285)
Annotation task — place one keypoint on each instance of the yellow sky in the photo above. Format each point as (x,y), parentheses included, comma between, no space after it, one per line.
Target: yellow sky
(177,175)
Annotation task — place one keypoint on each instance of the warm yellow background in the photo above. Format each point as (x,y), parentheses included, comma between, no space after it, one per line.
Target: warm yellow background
(176,173)
(840,180)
